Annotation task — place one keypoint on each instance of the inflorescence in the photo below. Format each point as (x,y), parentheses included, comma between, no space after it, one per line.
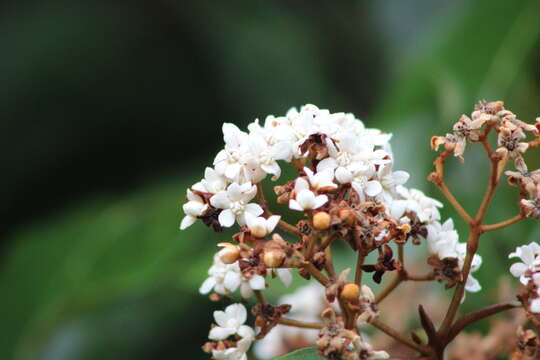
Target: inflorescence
(346,189)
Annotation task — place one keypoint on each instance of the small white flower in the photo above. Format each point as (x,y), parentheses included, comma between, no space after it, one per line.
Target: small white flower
(362,182)
(224,279)
(305,198)
(531,261)
(193,208)
(234,353)
(231,322)
(267,155)
(259,226)
(390,180)
(235,161)
(322,180)
(415,201)
(255,282)
(212,183)
(442,239)
(235,203)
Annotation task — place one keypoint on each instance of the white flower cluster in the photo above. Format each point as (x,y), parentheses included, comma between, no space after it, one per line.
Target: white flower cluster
(443,241)
(356,155)
(528,269)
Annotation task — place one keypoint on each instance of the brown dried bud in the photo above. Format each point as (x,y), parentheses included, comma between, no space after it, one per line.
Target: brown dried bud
(273,258)
(350,292)
(283,199)
(321,220)
(229,254)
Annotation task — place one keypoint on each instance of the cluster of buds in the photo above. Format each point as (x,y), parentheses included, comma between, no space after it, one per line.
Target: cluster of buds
(346,189)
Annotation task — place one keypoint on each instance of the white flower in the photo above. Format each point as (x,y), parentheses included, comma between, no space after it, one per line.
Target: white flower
(235,161)
(531,261)
(305,198)
(415,201)
(193,208)
(345,156)
(231,322)
(235,203)
(234,353)
(267,155)
(390,180)
(322,180)
(361,183)
(255,282)
(223,278)
(212,183)
(227,278)
(442,239)
(259,226)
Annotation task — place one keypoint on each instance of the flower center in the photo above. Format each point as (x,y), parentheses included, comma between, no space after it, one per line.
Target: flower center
(238,207)
(344,159)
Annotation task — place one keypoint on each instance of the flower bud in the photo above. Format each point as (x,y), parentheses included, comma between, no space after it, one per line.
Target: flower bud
(350,292)
(321,220)
(347,216)
(229,254)
(273,258)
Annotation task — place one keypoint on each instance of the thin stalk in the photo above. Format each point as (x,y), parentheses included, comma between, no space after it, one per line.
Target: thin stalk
(502,224)
(300,324)
(401,338)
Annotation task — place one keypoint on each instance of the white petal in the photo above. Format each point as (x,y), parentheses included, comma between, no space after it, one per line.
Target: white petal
(246,332)
(220,200)
(272,222)
(232,280)
(245,290)
(373,188)
(219,333)
(320,201)
(221,318)
(535,306)
(343,175)
(226,218)
(237,311)
(328,163)
(306,199)
(285,275)
(257,282)
(301,184)
(294,205)
(207,285)
(400,177)
(187,221)
(472,284)
(254,209)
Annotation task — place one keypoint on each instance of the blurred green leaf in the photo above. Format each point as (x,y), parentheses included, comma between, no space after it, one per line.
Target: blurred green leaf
(95,256)
(302,354)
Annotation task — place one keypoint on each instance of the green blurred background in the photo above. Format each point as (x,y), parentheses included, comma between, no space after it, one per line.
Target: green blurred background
(110,109)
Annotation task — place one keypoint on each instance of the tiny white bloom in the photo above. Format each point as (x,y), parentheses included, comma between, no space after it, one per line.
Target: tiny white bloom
(305,198)
(529,255)
(259,226)
(234,353)
(362,182)
(235,203)
(230,322)
(322,180)
(193,208)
